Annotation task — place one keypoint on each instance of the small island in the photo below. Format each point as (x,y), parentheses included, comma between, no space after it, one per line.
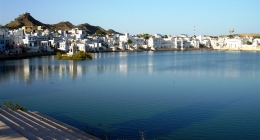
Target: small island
(80,55)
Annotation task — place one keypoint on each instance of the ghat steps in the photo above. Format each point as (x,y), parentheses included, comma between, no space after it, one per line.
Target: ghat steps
(33,125)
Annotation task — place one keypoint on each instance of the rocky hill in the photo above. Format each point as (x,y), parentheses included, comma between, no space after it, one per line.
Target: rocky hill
(24,20)
(27,20)
(89,28)
(111,31)
(61,26)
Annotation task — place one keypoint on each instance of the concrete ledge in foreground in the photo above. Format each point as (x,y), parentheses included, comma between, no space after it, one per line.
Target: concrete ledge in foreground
(33,125)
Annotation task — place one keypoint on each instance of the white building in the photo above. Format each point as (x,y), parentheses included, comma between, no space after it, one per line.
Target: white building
(159,42)
(31,43)
(93,46)
(77,33)
(46,46)
(81,46)
(169,42)
(72,48)
(4,39)
(63,46)
(124,38)
(16,36)
(234,43)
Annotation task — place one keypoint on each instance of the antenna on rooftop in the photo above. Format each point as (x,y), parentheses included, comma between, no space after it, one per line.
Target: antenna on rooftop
(194,31)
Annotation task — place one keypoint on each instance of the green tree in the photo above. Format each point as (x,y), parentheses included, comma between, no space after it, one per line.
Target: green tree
(165,36)
(146,36)
(129,41)
(99,32)
(77,56)
(231,36)
(248,43)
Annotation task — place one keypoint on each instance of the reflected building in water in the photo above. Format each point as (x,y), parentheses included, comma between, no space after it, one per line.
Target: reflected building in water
(146,63)
(123,63)
(150,63)
(30,70)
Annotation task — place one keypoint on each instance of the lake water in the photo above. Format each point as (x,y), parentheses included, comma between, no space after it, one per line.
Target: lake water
(166,95)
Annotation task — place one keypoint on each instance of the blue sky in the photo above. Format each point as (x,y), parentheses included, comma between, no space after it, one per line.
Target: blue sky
(211,17)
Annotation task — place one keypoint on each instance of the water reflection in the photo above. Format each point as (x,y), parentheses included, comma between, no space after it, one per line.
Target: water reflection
(195,63)
(150,62)
(130,92)
(123,63)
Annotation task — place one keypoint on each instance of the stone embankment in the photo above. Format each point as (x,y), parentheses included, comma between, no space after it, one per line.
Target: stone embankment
(33,125)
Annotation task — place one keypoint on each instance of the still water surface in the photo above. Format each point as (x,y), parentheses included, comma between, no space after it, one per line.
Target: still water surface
(166,95)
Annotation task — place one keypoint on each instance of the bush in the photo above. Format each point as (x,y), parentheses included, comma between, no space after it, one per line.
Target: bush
(248,43)
(231,36)
(77,56)
(146,36)
(89,55)
(58,55)
(99,32)
(12,106)
(129,41)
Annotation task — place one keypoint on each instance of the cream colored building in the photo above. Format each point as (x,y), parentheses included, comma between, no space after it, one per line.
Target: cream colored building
(28,29)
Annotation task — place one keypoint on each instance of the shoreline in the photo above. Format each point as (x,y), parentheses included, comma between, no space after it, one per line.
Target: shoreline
(156,50)
(257,49)
(25,55)
(28,55)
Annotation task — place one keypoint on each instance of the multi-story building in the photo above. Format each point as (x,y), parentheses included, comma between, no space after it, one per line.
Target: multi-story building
(28,29)
(30,42)
(159,42)
(4,40)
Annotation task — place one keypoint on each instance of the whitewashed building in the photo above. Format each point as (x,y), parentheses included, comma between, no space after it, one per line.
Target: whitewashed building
(30,42)
(4,39)
(46,46)
(72,48)
(234,43)
(77,33)
(16,36)
(81,46)
(159,42)
(63,46)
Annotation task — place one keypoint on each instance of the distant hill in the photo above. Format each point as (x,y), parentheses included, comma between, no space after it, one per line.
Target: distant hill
(89,28)
(61,26)
(24,20)
(110,31)
(27,20)
(92,29)
(246,34)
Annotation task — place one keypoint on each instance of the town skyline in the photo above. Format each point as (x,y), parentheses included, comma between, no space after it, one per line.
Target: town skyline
(167,17)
